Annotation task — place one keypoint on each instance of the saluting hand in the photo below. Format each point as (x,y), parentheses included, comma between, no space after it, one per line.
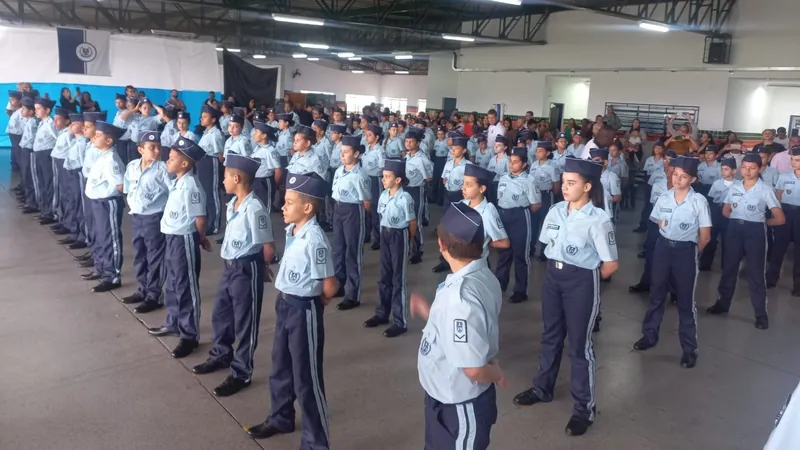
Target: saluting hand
(205,244)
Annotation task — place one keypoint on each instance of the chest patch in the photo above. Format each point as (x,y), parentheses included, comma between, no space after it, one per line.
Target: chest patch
(173,214)
(552,226)
(424,347)
(572,250)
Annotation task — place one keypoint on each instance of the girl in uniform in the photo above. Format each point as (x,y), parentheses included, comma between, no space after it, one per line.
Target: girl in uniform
(419,172)
(684,223)
(612,189)
(394,145)
(498,165)
(453,172)
(652,164)
(719,223)
(476,183)
(517,197)
(788,193)
(209,174)
(581,249)
(709,170)
(372,162)
(482,155)
(745,206)
(618,165)
(270,165)
(439,156)
(547,179)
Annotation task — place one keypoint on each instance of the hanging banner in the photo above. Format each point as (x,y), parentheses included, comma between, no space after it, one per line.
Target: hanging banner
(84,52)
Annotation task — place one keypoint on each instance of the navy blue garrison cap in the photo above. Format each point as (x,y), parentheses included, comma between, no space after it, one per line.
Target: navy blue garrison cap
(577,133)
(189,148)
(352,141)
(393,125)
(659,144)
(95,116)
(149,136)
(258,115)
(484,176)
(731,162)
(671,153)
(213,112)
(239,111)
(481,138)
(547,145)
(688,164)
(120,97)
(711,148)
(396,166)
(794,151)
(601,153)
(464,223)
(145,100)
(76,117)
(501,139)
(454,134)
(62,112)
(338,128)
(376,130)
(227,104)
(109,130)
(585,167)
(288,118)
(307,132)
(29,95)
(169,107)
(521,152)
(15,94)
(561,136)
(752,157)
(184,115)
(460,141)
(321,124)
(44,102)
(414,133)
(309,184)
(237,119)
(246,164)
(264,128)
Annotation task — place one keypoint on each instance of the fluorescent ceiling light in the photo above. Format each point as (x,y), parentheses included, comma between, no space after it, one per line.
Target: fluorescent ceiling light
(404,57)
(358,71)
(451,37)
(259,56)
(401,72)
(300,20)
(653,26)
(299,55)
(219,49)
(316,92)
(234,50)
(346,55)
(509,2)
(312,59)
(356,58)
(318,46)
(175,34)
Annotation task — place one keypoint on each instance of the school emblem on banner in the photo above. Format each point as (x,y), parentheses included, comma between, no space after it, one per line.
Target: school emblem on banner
(84,51)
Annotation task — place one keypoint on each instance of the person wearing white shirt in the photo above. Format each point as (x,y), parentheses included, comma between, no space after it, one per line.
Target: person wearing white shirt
(495,129)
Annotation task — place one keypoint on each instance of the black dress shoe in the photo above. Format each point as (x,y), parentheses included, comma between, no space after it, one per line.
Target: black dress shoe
(716,309)
(339,293)
(704,269)
(376,246)
(47,221)
(518,297)
(85,264)
(394,331)
(639,288)
(77,246)
(67,241)
(184,348)
(347,304)
(91,276)
(641,255)
(640,230)
(83,257)
(147,307)
(266,430)
(375,321)
(416,259)
(762,323)
(527,398)
(210,366)
(61,231)
(771,284)
(230,386)
(689,360)
(132,299)
(642,345)
(29,210)
(162,331)
(106,286)
(795,292)
(596,327)
(441,267)
(577,426)
(367,239)
(55,227)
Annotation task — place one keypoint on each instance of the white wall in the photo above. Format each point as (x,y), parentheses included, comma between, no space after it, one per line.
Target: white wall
(442,81)
(518,92)
(756,104)
(573,92)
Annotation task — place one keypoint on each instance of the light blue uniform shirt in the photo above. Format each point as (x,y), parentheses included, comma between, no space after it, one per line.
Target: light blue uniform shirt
(248,229)
(16,123)
(440,149)
(90,154)
(708,174)
(285,142)
(224,121)
(544,175)
(118,122)
(306,261)
(618,166)
(418,168)
(63,142)
(493,229)
(658,189)
(472,145)
(170,134)
(789,184)
(212,141)
(307,163)
(719,190)
(612,184)
(454,174)
(323,150)
(681,222)
(397,210)
(149,123)
(270,160)
(429,137)
(462,332)
(239,145)
(751,205)
(147,189)
(189,135)
(336,155)
(482,158)
(28,132)
(46,135)
(104,176)
(651,165)
(273,124)
(559,159)
(517,191)
(186,202)
(583,238)
(575,151)
(372,161)
(351,186)
(385,128)
(498,166)
(657,175)
(770,176)
(75,153)
(394,147)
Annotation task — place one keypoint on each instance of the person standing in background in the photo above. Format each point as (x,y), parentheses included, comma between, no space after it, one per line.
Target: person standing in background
(611,119)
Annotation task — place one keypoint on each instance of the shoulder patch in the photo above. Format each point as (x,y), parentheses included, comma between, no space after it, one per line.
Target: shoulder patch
(321,256)
(195,198)
(116,169)
(612,238)
(262,222)
(460,331)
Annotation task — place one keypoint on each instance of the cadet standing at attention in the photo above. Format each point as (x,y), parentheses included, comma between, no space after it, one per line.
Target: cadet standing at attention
(73,185)
(476,182)
(498,165)
(746,204)
(14,131)
(719,223)
(238,142)
(456,361)
(89,156)
(684,223)
(612,186)
(226,113)
(709,170)
(57,156)
(30,124)
(419,171)
(147,185)
(581,250)
(208,173)
(351,191)
(372,162)
(517,197)
(305,285)
(398,226)
(394,143)
(182,122)
(104,189)
(270,163)
(546,175)
(43,143)
(439,154)
(788,193)
(246,250)
(304,159)
(184,225)
(453,172)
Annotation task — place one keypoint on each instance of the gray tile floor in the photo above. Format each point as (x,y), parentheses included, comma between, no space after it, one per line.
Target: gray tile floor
(80,372)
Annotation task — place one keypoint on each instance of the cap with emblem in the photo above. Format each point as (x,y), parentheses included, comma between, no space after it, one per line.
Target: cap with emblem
(414,133)
(374,129)
(585,167)
(481,138)
(484,176)
(15,94)
(711,148)
(547,145)
(393,125)
(76,117)
(561,136)
(109,130)
(189,148)
(659,144)
(454,134)
(501,139)
(120,97)
(45,103)
(520,152)
(228,104)
(338,128)
(149,136)
(321,124)
(601,153)
(29,95)
(169,107)
(246,164)
(145,100)
(752,157)
(309,184)
(731,162)
(184,115)
(671,154)
(237,119)
(239,111)
(352,141)
(689,164)
(258,115)
(307,132)
(62,112)
(286,118)
(794,151)
(577,133)
(464,223)
(94,117)
(521,140)
(460,141)
(396,166)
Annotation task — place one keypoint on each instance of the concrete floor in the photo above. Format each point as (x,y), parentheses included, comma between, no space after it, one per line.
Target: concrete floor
(79,370)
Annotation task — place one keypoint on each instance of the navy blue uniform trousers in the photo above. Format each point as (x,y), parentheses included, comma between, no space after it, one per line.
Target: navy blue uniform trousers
(70,186)
(674,268)
(491,193)
(418,195)
(719,224)
(149,244)
(649,249)
(29,179)
(648,207)
(373,219)
(16,157)
(297,351)
(392,293)
(744,240)
(537,219)
(43,179)
(436,195)
(262,187)
(570,304)
(88,215)
(209,175)
(517,223)
(107,246)
(348,247)
(460,426)
(237,313)
(783,235)
(182,292)
(59,192)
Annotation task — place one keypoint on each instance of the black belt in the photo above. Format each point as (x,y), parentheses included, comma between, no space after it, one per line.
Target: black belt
(676,244)
(560,265)
(745,222)
(789,207)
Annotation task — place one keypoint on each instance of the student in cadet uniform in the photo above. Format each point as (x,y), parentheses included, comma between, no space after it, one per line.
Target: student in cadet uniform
(560,152)
(337,132)
(612,187)
(351,191)
(394,144)
(439,153)
(746,204)
(709,170)
(305,284)
(43,143)
(684,225)
(619,166)
(124,118)
(145,121)
(398,226)
(104,189)
(285,138)
(272,118)
(322,148)
(184,225)
(372,161)
(498,165)
(453,172)
(182,121)
(14,131)
(788,193)
(88,156)
(581,249)
(419,172)
(226,113)
(72,184)
(544,173)
(304,158)
(476,183)
(238,142)
(270,163)
(208,169)
(246,249)
(482,155)
(768,174)
(29,125)
(716,196)
(517,197)
(170,132)
(456,361)
(57,156)
(652,164)
(576,147)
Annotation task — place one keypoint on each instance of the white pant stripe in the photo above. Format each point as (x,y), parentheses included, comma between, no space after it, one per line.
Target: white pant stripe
(254,318)
(115,239)
(403,285)
(694,289)
(588,350)
(361,231)
(55,186)
(766,264)
(35,179)
(462,427)
(322,407)
(215,188)
(528,246)
(471,432)
(188,242)
(420,216)
(82,182)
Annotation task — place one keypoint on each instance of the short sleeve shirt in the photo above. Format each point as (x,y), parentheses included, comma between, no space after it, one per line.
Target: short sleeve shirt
(248,229)
(186,202)
(351,186)
(147,189)
(583,237)
(306,261)
(750,205)
(105,175)
(681,222)
(396,211)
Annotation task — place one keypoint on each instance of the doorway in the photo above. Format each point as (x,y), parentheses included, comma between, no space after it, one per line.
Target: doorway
(556,115)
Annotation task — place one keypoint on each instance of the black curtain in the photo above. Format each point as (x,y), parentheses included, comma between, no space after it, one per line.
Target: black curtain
(245,81)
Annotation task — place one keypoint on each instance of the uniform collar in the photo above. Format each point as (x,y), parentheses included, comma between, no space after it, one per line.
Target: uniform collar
(302,231)
(585,209)
(356,169)
(480,206)
(244,204)
(179,182)
(472,267)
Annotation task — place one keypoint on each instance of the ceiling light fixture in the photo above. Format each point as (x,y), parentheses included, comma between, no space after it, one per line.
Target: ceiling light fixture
(451,37)
(346,54)
(295,19)
(317,46)
(299,55)
(259,56)
(358,71)
(312,59)
(234,50)
(316,92)
(404,57)
(219,49)
(401,72)
(509,2)
(653,26)
(356,58)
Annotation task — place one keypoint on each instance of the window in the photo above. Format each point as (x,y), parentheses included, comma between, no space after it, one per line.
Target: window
(396,104)
(356,103)
(422,105)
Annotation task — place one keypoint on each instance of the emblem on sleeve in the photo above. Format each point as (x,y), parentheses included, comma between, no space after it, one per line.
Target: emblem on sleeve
(612,238)
(424,347)
(195,198)
(116,169)
(460,331)
(321,256)
(262,222)
(499,223)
